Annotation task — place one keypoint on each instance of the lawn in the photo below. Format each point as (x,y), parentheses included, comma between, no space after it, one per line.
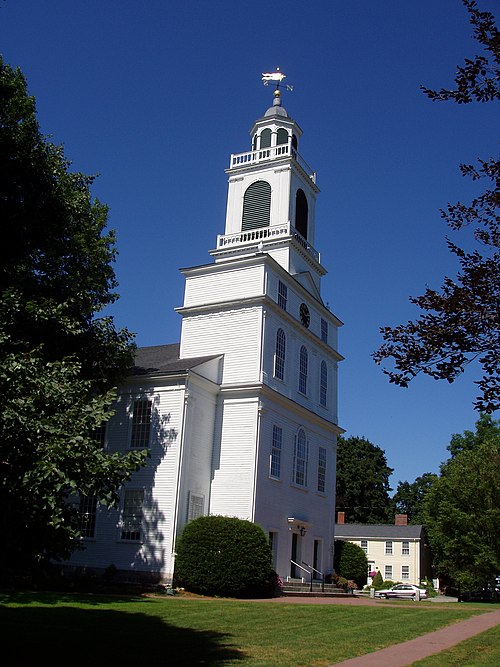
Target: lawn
(483,650)
(181,632)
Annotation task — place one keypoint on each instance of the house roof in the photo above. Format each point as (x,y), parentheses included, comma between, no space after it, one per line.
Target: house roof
(381,531)
(164,359)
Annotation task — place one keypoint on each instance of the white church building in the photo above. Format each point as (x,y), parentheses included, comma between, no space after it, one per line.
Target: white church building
(240,417)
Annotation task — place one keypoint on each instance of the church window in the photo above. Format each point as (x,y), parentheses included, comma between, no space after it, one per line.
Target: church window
(282,295)
(275,463)
(301,213)
(279,357)
(322,470)
(324,330)
(87,513)
(196,506)
(265,138)
(256,206)
(282,136)
(300,459)
(323,385)
(132,514)
(303,360)
(141,423)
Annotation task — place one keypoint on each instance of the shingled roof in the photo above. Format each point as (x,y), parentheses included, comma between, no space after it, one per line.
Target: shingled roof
(164,360)
(381,531)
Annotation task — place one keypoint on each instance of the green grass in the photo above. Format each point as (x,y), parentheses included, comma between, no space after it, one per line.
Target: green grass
(483,650)
(98,630)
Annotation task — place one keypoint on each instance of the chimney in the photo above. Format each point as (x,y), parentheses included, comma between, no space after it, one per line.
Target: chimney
(401,520)
(341,518)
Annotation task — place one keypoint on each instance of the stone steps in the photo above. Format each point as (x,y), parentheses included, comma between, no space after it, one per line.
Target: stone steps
(300,588)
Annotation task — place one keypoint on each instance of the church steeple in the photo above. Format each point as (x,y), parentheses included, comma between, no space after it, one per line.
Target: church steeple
(272,197)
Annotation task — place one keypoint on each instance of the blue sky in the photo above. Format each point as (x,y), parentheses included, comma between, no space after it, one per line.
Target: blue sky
(155,95)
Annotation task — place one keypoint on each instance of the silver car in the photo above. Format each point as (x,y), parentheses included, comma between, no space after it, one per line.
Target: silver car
(404,591)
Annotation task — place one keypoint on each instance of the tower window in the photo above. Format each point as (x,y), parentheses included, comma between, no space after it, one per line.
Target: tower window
(324,330)
(294,145)
(275,463)
(322,470)
(256,206)
(323,386)
(301,213)
(300,459)
(282,295)
(265,138)
(303,370)
(282,137)
(279,357)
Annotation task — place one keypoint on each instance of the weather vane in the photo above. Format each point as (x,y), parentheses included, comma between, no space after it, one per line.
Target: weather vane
(275,77)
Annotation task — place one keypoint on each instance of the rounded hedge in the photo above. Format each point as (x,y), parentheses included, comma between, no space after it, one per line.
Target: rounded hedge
(351,562)
(218,555)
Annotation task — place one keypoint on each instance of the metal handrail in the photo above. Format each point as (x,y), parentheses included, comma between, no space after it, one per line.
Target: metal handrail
(320,573)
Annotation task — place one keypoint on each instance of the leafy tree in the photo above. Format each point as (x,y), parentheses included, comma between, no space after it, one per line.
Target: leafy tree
(351,562)
(460,323)
(58,361)
(219,555)
(486,428)
(409,498)
(362,481)
(378,580)
(462,512)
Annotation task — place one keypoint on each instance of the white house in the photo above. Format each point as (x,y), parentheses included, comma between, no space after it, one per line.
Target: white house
(241,416)
(399,551)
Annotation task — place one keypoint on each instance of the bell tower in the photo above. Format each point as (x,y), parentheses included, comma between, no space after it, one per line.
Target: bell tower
(272,199)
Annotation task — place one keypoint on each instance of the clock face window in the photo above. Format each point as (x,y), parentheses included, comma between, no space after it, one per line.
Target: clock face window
(305,318)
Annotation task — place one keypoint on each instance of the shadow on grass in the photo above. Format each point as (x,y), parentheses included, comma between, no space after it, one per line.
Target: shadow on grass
(103,636)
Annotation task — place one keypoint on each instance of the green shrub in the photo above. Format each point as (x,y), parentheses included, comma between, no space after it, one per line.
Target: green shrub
(224,556)
(378,581)
(351,562)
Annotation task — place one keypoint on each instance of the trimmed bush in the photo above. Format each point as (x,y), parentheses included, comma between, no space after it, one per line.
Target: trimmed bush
(378,581)
(225,556)
(351,562)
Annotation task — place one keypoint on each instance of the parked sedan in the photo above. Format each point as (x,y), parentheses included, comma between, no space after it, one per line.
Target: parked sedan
(403,591)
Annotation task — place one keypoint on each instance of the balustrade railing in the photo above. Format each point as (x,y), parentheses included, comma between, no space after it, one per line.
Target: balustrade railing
(271,153)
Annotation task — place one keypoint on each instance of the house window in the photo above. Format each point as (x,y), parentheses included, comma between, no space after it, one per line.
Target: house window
(132,514)
(323,385)
(388,548)
(405,548)
(405,572)
(322,469)
(324,330)
(303,370)
(275,463)
(141,423)
(195,506)
(279,357)
(282,295)
(388,572)
(364,545)
(99,435)
(87,513)
(300,459)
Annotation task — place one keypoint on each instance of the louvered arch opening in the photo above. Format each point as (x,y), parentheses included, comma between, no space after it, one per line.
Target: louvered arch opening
(282,137)
(256,206)
(301,213)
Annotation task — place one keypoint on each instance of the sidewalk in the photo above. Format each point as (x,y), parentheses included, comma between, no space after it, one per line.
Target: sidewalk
(409,652)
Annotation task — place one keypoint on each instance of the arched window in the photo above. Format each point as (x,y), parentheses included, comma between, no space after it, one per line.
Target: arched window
(279,356)
(323,383)
(254,142)
(300,459)
(303,370)
(282,137)
(256,206)
(265,138)
(294,145)
(301,213)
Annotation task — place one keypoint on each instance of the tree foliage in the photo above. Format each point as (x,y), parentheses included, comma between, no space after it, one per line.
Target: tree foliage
(460,323)
(351,562)
(218,555)
(409,497)
(362,481)
(462,509)
(58,361)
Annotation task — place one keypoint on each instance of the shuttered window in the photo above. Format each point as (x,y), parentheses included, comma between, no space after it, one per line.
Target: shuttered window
(301,213)
(323,386)
(256,206)
(265,138)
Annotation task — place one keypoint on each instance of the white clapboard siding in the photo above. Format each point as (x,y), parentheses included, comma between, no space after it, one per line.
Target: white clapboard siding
(224,285)
(234,460)
(234,333)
